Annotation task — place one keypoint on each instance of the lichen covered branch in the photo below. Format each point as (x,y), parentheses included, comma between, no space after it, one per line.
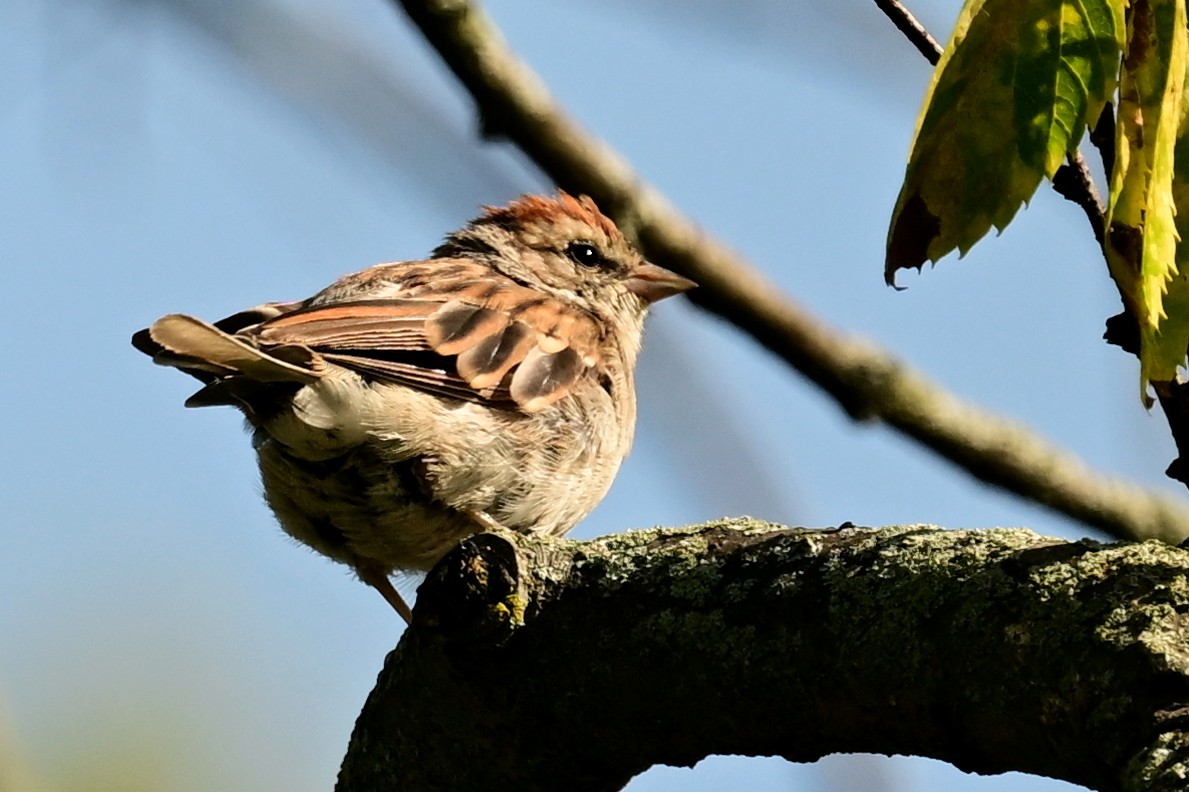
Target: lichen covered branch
(550,664)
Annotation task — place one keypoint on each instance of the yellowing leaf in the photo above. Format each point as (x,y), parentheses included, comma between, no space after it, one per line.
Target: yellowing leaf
(1141,243)
(1012,95)
(1172,336)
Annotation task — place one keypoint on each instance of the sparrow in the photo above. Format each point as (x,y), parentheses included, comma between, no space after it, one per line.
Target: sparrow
(412,404)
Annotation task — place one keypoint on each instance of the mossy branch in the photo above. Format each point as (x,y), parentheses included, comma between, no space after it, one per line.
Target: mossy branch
(551,664)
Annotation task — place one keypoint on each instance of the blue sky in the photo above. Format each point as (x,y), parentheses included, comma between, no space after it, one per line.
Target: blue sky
(159,632)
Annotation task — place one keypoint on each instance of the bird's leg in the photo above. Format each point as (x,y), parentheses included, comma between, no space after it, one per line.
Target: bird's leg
(380,582)
(484,520)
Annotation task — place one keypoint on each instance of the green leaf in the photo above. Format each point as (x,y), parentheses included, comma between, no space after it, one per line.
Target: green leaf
(1143,229)
(1012,95)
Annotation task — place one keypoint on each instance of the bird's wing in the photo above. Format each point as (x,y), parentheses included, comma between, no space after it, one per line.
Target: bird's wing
(481,339)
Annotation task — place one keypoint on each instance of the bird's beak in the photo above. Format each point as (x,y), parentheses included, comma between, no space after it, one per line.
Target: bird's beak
(651,283)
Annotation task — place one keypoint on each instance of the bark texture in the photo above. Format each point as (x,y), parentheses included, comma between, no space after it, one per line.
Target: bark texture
(544,665)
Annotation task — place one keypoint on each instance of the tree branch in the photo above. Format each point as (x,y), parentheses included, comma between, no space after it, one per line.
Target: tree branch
(550,664)
(863,379)
(912,29)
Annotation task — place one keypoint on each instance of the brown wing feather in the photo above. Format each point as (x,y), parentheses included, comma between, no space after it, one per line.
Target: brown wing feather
(544,377)
(421,376)
(490,359)
(473,338)
(372,324)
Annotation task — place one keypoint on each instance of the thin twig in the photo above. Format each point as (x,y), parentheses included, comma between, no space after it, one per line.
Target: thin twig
(1072,182)
(913,30)
(863,379)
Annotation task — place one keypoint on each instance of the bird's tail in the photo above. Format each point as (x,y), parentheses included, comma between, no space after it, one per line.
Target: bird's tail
(229,364)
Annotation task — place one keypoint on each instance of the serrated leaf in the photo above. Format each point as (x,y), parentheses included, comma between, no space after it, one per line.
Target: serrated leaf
(1013,93)
(1142,237)
(1172,336)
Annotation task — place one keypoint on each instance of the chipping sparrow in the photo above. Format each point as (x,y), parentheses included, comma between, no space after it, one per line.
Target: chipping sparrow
(409,405)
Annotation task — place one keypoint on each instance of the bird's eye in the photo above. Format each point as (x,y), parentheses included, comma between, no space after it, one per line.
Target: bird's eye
(586,255)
